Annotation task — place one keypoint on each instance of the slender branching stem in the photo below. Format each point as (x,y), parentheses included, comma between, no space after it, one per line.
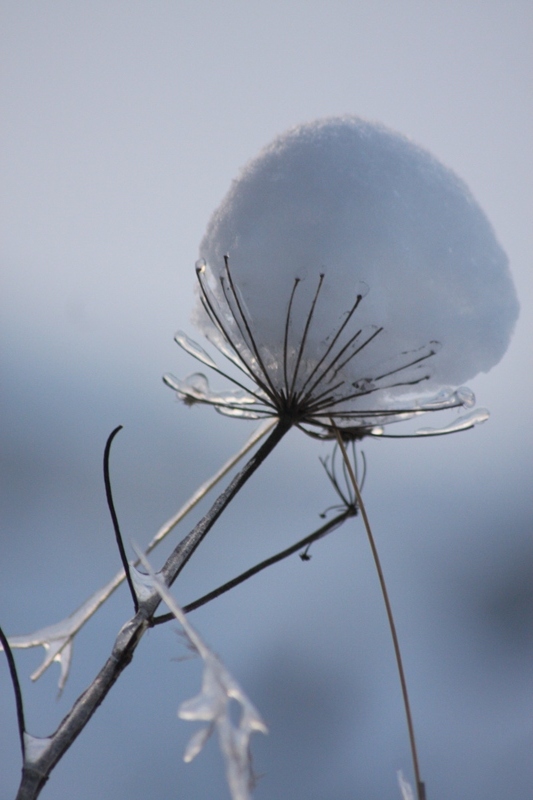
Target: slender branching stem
(328,527)
(286,337)
(98,598)
(329,350)
(303,340)
(206,487)
(185,549)
(247,325)
(421,793)
(36,771)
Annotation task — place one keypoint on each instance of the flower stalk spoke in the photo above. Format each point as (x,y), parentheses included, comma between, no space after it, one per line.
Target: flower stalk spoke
(330,348)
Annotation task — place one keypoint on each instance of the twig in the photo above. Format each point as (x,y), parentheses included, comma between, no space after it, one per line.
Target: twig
(16,689)
(185,549)
(35,772)
(202,490)
(421,793)
(116,527)
(58,638)
(268,562)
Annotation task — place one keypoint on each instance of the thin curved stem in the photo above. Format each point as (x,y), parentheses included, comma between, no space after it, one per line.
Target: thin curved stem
(16,689)
(421,792)
(303,340)
(112,511)
(286,336)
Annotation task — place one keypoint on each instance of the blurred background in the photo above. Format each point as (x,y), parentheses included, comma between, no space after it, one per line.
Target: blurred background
(123,126)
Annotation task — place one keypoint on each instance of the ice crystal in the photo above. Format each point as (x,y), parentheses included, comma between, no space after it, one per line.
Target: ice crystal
(34,747)
(405,787)
(212,706)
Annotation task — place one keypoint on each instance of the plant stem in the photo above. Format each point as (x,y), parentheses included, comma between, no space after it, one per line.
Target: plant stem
(75,621)
(16,688)
(333,523)
(202,490)
(185,549)
(36,771)
(420,787)
(114,518)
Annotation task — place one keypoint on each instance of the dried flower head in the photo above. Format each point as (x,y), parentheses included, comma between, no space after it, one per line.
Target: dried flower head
(326,211)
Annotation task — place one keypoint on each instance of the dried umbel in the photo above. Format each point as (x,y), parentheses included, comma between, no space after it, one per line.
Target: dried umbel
(349,276)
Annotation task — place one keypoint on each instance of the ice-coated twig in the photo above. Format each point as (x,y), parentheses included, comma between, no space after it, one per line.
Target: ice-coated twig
(47,752)
(212,705)
(462,423)
(57,639)
(202,490)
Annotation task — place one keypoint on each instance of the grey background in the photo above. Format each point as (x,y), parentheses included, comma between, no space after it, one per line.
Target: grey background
(123,125)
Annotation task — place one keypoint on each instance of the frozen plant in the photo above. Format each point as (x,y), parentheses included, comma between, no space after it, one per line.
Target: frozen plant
(348,273)
(351,281)
(57,640)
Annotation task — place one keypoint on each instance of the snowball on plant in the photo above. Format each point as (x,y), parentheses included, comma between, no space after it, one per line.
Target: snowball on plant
(348,274)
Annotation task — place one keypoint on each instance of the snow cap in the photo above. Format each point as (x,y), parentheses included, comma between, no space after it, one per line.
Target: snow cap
(379,216)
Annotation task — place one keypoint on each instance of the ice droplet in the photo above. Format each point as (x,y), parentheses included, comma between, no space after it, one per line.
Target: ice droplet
(196,743)
(196,389)
(143,584)
(466,396)
(194,349)
(461,423)
(34,747)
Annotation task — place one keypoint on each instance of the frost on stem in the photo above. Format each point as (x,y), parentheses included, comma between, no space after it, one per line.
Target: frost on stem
(405,787)
(34,747)
(326,212)
(212,704)
(58,639)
